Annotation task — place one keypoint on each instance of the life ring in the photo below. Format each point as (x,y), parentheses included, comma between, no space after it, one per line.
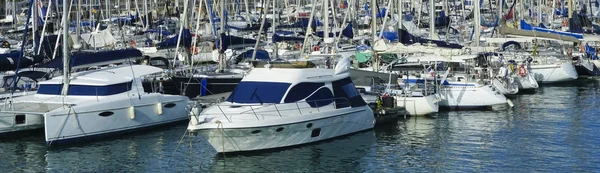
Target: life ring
(132,43)
(316,48)
(194,50)
(297,46)
(522,71)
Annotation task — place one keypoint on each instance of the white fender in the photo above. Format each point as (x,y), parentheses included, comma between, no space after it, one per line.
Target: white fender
(131,112)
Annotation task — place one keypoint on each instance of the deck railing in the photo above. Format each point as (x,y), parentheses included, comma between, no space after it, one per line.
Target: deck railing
(283,109)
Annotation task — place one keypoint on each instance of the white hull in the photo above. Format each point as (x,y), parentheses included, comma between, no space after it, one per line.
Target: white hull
(280,107)
(470,96)
(9,124)
(506,86)
(86,120)
(204,57)
(563,72)
(587,64)
(226,138)
(22,116)
(416,106)
(527,82)
(596,63)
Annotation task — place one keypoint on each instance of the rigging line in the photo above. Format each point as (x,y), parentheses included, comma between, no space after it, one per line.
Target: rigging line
(78,124)
(62,126)
(14,82)
(134,80)
(177,147)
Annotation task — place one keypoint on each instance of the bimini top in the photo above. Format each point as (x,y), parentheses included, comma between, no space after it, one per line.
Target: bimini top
(107,76)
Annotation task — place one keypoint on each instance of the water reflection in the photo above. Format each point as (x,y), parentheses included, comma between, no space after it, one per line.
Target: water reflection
(553,130)
(339,155)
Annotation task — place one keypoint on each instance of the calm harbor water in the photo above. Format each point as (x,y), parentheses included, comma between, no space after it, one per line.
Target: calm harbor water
(554,129)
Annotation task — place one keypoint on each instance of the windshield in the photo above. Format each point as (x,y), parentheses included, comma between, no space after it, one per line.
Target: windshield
(258,92)
(85,90)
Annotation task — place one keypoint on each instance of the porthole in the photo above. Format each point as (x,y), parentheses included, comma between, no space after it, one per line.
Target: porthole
(315,132)
(255,132)
(309,125)
(20,119)
(279,129)
(106,114)
(170,105)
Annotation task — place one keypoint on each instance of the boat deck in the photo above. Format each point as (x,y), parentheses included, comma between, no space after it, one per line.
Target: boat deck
(212,99)
(26,107)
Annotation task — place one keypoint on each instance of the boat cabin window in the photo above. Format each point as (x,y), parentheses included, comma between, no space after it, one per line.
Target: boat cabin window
(258,92)
(301,91)
(346,89)
(361,90)
(320,98)
(85,90)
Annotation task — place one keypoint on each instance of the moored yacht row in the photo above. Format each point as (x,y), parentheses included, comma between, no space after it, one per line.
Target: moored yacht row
(286,81)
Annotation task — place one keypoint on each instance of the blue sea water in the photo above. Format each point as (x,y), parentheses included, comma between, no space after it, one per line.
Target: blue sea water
(554,129)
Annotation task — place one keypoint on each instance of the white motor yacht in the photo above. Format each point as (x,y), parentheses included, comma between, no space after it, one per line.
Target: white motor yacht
(460,92)
(280,107)
(99,102)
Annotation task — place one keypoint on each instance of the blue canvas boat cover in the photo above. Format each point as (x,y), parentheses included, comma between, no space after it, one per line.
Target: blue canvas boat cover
(91,58)
(233,41)
(9,61)
(277,38)
(302,23)
(408,39)
(186,39)
(347,32)
(260,54)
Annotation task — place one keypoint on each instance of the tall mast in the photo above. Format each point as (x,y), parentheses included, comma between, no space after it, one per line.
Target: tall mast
(276,48)
(107,9)
(374,19)
(247,13)
(326,21)
(553,9)
(14,7)
(34,12)
(65,51)
(263,18)
(476,23)
(90,12)
(570,9)
(400,8)
(222,23)
(37,50)
(432,20)
(78,26)
(539,11)
(500,6)
(146,14)
(309,29)
(183,23)
(420,13)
